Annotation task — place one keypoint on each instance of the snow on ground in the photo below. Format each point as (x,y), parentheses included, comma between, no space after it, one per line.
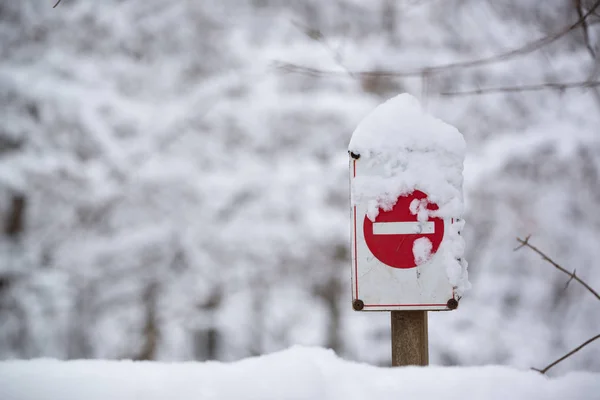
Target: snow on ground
(296,373)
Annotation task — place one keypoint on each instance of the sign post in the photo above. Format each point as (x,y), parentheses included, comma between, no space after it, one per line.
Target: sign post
(406,213)
(410,342)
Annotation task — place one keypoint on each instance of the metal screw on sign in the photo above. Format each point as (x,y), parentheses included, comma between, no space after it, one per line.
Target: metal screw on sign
(358,304)
(453,304)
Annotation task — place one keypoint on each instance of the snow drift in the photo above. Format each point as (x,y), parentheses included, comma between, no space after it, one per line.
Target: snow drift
(297,373)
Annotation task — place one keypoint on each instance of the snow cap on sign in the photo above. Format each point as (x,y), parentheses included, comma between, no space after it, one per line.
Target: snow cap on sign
(401,123)
(413,150)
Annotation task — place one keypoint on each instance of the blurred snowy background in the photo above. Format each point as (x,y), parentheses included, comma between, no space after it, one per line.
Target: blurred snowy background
(171,190)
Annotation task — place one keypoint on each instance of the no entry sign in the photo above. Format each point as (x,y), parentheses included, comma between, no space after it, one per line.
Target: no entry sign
(406,205)
(393,235)
(398,261)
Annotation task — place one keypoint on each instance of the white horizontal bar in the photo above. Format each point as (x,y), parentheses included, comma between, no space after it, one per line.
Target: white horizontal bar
(402,228)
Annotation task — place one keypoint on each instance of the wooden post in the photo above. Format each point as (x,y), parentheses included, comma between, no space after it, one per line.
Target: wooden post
(410,344)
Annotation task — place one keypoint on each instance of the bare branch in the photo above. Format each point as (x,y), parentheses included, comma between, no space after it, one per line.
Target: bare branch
(317,36)
(15,224)
(585,29)
(526,49)
(525,243)
(593,76)
(57,3)
(569,354)
(570,279)
(527,88)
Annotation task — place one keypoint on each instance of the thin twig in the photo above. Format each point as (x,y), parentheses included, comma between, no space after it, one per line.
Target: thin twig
(57,3)
(526,88)
(525,49)
(585,28)
(570,279)
(569,354)
(525,243)
(318,37)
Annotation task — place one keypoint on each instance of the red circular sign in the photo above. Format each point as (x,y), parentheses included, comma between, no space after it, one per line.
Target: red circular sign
(392,235)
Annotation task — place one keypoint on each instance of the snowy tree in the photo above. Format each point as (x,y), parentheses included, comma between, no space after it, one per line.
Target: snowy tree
(172,188)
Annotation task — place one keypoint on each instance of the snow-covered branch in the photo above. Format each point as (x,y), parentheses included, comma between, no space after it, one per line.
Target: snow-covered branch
(519,51)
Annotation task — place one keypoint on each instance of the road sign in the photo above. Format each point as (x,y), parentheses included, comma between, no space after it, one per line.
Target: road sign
(394,237)
(406,207)
(398,258)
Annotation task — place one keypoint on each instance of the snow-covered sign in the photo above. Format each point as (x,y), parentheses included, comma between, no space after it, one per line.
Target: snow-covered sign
(407,205)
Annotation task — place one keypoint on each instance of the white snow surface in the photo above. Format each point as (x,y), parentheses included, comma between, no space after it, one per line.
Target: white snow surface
(422,250)
(296,373)
(416,151)
(419,208)
(401,124)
